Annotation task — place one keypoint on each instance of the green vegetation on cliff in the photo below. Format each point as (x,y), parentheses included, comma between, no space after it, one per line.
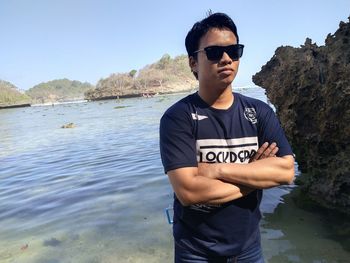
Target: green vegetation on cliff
(166,75)
(10,95)
(165,72)
(58,90)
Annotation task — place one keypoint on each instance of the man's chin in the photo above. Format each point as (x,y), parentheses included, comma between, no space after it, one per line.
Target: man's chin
(226,81)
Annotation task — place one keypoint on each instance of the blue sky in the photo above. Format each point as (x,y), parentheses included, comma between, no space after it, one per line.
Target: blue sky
(86,40)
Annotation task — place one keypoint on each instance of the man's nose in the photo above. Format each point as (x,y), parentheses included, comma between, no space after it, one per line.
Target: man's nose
(225,59)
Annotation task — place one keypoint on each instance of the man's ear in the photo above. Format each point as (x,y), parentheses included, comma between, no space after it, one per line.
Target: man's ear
(192,62)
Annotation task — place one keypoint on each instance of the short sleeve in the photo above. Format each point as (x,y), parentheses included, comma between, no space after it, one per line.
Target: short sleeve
(177,142)
(270,130)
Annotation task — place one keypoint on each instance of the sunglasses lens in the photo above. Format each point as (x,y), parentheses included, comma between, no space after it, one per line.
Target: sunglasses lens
(214,53)
(235,51)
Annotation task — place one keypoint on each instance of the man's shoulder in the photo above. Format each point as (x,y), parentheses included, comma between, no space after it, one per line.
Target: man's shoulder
(181,106)
(249,102)
(246,100)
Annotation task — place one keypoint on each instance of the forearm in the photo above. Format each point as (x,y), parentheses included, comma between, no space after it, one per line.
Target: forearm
(213,191)
(264,173)
(194,189)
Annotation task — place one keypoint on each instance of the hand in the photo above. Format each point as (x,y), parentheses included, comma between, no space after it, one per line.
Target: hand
(265,151)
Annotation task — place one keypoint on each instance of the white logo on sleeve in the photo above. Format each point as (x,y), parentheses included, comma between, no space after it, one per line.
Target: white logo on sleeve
(250,115)
(198,117)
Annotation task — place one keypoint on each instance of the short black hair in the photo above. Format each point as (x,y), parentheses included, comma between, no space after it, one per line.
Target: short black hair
(200,28)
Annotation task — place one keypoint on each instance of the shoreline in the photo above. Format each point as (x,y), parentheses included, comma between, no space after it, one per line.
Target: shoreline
(15,106)
(114,97)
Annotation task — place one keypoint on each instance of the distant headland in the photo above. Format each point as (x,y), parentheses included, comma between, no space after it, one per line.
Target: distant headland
(167,75)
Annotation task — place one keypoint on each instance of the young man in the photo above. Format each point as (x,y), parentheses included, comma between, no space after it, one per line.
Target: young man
(209,143)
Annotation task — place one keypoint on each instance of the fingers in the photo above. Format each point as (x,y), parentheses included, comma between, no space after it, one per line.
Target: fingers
(270,151)
(260,152)
(265,151)
(274,151)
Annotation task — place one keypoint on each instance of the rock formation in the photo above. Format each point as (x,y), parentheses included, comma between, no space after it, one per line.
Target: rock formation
(310,88)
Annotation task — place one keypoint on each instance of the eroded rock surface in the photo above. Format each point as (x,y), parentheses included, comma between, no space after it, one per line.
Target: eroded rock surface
(310,88)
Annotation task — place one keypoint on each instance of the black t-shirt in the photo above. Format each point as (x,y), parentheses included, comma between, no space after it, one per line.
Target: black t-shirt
(191,132)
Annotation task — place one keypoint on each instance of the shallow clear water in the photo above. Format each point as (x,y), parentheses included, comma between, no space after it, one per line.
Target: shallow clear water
(97,192)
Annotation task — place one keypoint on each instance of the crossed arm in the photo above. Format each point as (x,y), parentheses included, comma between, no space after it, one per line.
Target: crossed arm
(222,182)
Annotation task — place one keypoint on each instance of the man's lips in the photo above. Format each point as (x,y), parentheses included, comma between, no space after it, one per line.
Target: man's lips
(225,70)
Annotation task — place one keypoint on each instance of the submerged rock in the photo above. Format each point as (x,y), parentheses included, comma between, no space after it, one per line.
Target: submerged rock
(310,88)
(53,242)
(121,107)
(68,126)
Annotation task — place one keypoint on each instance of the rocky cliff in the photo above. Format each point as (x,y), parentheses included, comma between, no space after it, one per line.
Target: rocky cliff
(310,88)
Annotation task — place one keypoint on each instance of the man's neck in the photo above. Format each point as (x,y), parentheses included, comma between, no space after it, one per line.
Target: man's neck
(219,99)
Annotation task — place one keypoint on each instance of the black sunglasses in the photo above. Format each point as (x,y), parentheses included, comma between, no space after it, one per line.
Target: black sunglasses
(214,53)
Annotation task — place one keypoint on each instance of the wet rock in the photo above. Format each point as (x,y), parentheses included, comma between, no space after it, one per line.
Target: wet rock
(121,107)
(24,247)
(53,242)
(68,126)
(310,88)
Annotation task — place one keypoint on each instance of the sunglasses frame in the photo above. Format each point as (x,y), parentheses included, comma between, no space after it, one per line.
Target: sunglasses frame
(238,48)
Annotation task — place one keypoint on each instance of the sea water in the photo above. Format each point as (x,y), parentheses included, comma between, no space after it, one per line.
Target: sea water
(97,192)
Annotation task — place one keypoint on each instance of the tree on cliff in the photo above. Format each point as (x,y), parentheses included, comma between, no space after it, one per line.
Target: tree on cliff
(164,62)
(152,77)
(120,81)
(132,73)
(164,71)
(114,85)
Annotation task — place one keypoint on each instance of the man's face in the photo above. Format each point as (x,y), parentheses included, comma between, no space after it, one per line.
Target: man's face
(215,74)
